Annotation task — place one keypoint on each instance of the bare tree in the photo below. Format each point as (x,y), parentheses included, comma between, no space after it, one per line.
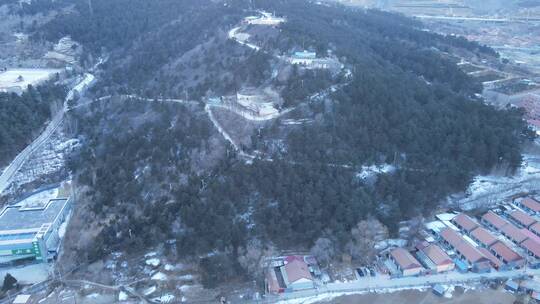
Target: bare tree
(324,250)
(252,256)
(363,239)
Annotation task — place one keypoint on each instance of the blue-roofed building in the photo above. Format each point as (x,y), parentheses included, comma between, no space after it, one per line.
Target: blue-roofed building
(29,229)
(439,289)
(461,266)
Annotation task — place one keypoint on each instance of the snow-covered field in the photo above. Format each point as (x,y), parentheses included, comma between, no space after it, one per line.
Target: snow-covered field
(39,197)
(29,274)
(21,78)
(488,190)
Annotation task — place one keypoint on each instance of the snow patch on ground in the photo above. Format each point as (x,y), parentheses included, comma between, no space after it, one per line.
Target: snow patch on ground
(149,290)
(62,229)
(159,276)
(369,171)
(185,288)
(93,295)
(390,243)
(154,262)
(39,197)
(186,277)
(483,186)
(168,298)
(122,296)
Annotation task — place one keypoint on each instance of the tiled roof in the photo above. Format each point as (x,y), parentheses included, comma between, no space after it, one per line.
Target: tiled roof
(451,236)
(465,248)
(483,236)
(532,246)
(465,222)
(514,233)
(404,259)
(493,259)
(535,228)
(437,255)
(522,218)
(531,204)
(494,220)
(296,269)
(502,250)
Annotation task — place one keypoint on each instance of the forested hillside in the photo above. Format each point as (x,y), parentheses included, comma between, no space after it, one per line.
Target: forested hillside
(22,116)
(158,171)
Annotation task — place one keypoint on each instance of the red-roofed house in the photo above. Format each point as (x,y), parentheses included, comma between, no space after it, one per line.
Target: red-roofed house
(495,263)
(507,255)
(466,251)
(535,228)
(296,273)
(522,218)
(483,237)
(464,222)
(435,258)
(494,221)
(529,204)
(532,248)
(513,233)
(405,262)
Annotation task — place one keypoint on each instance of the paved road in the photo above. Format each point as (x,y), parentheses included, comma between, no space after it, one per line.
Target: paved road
(56,121)
(385,283)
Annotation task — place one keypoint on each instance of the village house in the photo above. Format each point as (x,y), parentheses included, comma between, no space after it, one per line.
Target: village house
(507,255)
(466,251)
(521,218)
(494,221)
(529,204)
(434,257)
(483,237)
(465,223)
(405,262)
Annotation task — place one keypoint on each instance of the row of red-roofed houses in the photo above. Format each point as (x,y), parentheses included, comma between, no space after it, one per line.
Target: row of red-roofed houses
(523,230)
(431,259)
(489,245)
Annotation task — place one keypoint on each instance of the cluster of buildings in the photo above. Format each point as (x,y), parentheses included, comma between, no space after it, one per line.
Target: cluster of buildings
(309,60)
(501,239)
(31,228)
(291,273)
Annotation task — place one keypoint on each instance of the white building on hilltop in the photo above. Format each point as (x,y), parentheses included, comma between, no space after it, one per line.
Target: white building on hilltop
(265,19)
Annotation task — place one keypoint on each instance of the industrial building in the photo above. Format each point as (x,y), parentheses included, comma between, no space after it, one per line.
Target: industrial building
(29,229)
